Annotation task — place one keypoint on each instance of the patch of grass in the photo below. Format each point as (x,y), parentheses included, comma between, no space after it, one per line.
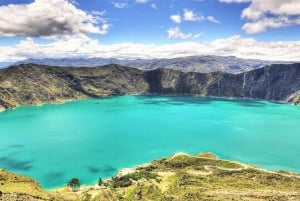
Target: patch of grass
(126,180)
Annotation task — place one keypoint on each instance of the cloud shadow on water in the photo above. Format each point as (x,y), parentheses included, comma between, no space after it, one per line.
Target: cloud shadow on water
(16,146)
(104,170)
(175,100)
(12,164)
(54,175)
(184,100)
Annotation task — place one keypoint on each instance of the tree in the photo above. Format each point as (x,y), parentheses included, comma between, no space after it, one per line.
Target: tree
(100,182)
(74,184)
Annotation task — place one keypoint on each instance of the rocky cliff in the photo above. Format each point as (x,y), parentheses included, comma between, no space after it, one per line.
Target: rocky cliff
(275,82)
(36,84)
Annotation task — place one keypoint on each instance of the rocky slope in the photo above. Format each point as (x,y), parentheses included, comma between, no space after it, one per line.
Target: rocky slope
(179,177)
(204,64)
(36,84)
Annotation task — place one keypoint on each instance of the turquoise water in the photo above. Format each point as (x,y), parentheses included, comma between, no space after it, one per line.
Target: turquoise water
(95,138)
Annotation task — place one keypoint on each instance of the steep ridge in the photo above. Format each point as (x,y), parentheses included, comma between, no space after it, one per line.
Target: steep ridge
(28,84)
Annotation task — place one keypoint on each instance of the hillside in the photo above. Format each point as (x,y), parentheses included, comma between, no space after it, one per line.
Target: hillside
(179,177)
(35,84)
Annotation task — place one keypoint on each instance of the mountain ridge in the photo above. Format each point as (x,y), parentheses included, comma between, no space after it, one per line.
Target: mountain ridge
(31,84)
(204,64)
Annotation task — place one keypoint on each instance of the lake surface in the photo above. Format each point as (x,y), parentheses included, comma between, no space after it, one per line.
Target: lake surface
(95,138)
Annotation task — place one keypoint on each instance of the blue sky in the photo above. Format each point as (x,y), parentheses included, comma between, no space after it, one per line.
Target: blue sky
(261,29)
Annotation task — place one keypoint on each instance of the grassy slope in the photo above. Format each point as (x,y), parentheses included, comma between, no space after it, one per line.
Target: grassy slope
(179,177)
(32,84)
(21,185)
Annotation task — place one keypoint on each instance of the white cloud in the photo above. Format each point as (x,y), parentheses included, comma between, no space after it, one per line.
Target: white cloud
(265,24)
(153,6)
(189,15)
(197,35)
(99,13)
(83,46)
(175,32)
(141,1)
(119,4)
(48,18)
(263,15)
(176,18)
(212,19)
(235,1)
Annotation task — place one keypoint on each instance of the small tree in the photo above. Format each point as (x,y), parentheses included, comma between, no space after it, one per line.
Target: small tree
(74,184)
(100,182)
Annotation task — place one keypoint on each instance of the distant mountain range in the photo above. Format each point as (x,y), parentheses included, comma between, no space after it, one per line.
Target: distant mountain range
(204,64)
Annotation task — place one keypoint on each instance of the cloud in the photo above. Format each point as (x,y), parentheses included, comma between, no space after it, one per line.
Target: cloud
(212,19)
(153,6)
(189,15)
(119,4)
(141,1)
(235,1)
(175,32)
(263,15)
(83,46)
(48,18)
(176,18)
(265,24)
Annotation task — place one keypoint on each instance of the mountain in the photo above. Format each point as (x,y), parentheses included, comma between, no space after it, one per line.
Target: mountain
(202,64)
(36,84)
(179,177)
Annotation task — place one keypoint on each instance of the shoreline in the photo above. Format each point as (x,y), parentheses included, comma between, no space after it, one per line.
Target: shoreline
(59,102)
(130,170)
(168,173)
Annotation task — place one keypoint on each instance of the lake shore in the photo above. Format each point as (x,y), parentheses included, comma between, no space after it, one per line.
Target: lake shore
(199,176)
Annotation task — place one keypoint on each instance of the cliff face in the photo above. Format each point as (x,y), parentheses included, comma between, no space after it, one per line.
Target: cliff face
(275,82)
(35,84)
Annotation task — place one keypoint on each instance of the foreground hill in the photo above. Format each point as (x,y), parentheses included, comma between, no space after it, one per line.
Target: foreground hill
(36,84)
(179,177)
(203,64)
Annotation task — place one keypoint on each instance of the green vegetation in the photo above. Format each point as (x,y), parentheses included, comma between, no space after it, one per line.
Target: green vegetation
(74,184)
(126,180)
(25,187)
(180,177)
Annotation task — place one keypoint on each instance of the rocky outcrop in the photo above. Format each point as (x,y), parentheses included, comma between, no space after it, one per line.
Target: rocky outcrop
(36,84)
